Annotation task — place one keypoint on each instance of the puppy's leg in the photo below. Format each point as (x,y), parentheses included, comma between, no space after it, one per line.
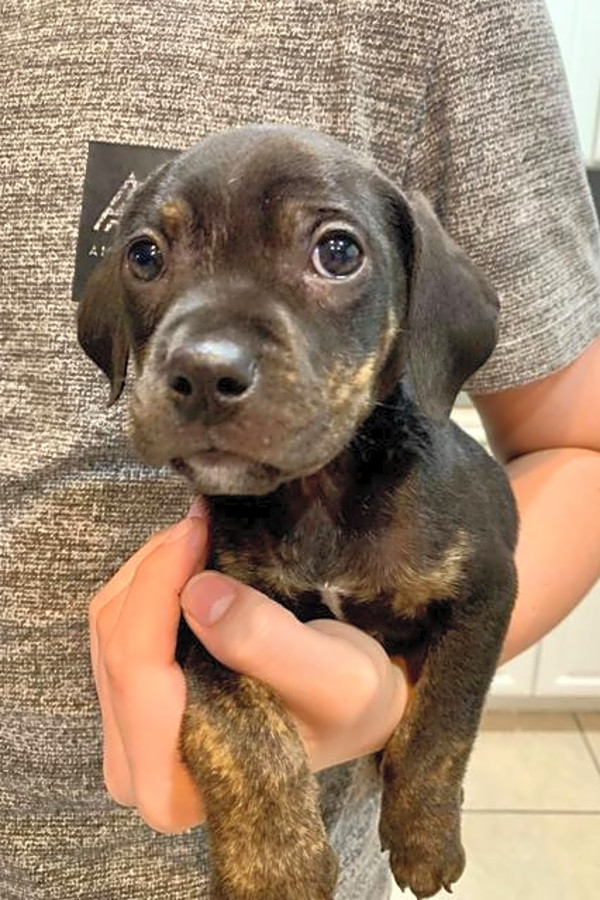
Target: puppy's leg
(424,762)
(267,837)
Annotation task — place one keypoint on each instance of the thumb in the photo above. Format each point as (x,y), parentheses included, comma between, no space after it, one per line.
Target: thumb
(324,674)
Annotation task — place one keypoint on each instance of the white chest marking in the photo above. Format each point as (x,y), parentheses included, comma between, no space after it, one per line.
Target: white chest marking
(332,598)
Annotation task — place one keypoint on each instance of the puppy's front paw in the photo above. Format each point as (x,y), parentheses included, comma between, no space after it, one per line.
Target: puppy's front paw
(424,858)
(425,872)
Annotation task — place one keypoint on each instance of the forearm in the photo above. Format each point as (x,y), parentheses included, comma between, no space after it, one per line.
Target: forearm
(558,555)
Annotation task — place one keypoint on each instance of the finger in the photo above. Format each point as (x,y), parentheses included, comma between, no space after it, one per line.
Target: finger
(146,630)
(143,689)
(122,578)
(373,727)
(115,762)
(312,668)
(125,574)
(116,769)
(117,585)
(147,774)
(103,621)
(148,715)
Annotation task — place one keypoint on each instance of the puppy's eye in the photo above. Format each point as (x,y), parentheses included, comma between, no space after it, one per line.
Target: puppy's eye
(337,255)
(145,259)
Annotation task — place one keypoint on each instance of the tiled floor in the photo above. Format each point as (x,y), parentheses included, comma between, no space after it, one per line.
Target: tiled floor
(531,825)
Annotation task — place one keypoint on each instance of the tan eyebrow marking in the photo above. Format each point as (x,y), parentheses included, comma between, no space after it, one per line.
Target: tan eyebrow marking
(174,216)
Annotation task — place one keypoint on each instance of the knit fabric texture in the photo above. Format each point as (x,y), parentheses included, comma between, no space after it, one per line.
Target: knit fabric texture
(465,101)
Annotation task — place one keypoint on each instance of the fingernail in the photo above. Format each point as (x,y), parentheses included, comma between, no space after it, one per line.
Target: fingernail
(198,509)
(176,532)
(207,597)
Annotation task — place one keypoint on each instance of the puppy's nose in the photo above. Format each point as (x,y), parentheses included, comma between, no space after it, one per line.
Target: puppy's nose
(210,378)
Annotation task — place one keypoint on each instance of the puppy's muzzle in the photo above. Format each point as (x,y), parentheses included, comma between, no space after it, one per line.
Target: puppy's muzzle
(210,379)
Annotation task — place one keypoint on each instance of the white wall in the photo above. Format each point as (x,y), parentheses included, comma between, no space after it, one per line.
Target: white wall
(577,24)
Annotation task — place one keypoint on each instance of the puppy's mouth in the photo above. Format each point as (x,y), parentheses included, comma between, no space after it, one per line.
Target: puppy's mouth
(211,460)
(214,471)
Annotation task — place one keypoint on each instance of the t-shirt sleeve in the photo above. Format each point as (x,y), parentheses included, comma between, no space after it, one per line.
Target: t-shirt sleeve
(496,152)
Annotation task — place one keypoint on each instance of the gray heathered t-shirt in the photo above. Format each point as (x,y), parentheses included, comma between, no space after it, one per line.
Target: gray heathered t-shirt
(465,100)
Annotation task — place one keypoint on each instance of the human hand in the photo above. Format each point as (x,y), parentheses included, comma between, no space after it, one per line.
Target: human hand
(343,691)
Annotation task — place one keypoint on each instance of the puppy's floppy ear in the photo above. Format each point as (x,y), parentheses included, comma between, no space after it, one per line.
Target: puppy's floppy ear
(452,311)
(101,325)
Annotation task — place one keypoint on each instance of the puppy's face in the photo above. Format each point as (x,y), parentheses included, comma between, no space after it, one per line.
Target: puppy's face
(262,283)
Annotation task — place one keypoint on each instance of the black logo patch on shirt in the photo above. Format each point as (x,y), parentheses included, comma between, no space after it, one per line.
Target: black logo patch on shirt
(112,174)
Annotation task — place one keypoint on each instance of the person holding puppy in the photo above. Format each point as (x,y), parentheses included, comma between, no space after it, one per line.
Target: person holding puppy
(444,103)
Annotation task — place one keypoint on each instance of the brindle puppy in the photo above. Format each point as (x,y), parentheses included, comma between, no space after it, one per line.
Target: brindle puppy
(300,330)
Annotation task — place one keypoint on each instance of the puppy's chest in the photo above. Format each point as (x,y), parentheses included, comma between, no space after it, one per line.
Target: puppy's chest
(313,557)
(314,576)
(371,579)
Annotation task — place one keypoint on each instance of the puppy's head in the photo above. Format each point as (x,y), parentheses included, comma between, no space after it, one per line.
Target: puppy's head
(272,287)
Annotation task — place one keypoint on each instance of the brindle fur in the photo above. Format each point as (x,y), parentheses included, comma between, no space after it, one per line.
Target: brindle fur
(358,483)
